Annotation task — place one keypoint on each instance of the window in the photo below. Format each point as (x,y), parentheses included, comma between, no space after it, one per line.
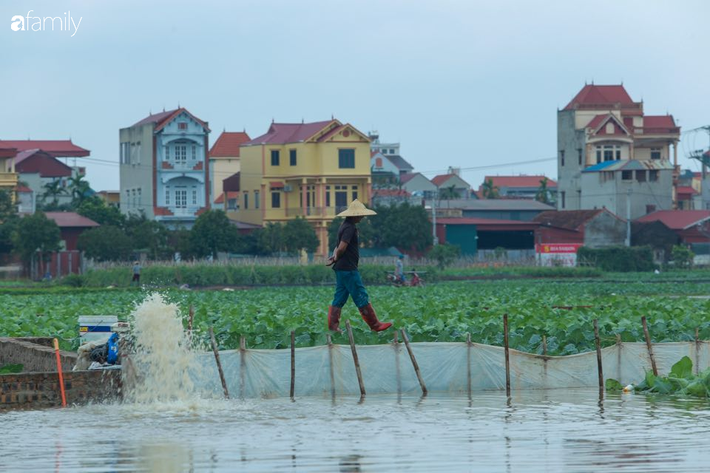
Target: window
(182,126)
(124,153)
(181,198)
(140,203)
(391,151)
(256,199)
(246,201)
(275,200)
(346,158)
(609,128)
(579,155)
(354,192)
(194,196)
(274,157)
(194,152)
(167,152)
(599,154)
(181,154)
(641,176)
(655,153)
(292,157)
(128,198)
(562,157)
(653,175)
(626,175)
(562,199)
(167,197)
(608,153)
(378,163)
(327,196)
(138,152)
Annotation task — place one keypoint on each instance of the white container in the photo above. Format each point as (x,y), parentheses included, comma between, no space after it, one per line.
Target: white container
(94,328)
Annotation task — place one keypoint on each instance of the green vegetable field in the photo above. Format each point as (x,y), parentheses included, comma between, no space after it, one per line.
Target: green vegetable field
(561,310)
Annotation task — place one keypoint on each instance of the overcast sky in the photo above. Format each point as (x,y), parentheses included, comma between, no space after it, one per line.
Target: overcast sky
(460,83)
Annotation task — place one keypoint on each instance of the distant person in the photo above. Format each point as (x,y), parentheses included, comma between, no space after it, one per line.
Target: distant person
(399,270)
(345,260)
(136,274)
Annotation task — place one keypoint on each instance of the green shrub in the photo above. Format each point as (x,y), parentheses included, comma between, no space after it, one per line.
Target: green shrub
(682,257)
(444,254)
(621,259)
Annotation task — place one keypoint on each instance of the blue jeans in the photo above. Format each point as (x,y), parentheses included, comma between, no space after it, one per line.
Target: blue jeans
(349,283)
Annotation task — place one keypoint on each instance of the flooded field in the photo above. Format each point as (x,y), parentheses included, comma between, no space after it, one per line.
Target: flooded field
(560,430)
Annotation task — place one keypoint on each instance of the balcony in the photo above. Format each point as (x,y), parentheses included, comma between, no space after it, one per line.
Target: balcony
(8,180)
(319,212)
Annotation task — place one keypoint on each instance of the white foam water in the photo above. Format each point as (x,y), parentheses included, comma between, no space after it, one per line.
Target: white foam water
(162,359)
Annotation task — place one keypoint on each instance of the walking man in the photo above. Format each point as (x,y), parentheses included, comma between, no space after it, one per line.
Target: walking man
(399,270)
(345,260)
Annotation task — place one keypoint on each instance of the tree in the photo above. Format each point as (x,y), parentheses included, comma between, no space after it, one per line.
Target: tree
(95,209)
(300,235)
(105,243)
(444,254)
(36,233)
(79,188)
(8,227)
(7,206)
(488,190)
(52,190)
(213,233)
(271,239)
(543,192)
(682,256)
(403,226)
(152,236)
(449,193)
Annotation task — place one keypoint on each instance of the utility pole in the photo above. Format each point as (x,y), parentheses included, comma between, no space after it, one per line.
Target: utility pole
(628,216)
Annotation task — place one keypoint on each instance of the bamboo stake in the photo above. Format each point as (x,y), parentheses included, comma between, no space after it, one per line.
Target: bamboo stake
(697,350)
(468,363)
(598,344)
(219,363)
(61,375)
(293,363)
(650,347)
(544,345)
(507,355)
(355,359)
(414,362)
(330,362)
(242,366)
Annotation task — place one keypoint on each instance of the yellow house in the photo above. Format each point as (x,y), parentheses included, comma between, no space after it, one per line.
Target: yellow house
(311,170)
(8,176)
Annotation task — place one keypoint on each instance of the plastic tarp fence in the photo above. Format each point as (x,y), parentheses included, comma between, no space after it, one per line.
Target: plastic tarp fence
(445,368)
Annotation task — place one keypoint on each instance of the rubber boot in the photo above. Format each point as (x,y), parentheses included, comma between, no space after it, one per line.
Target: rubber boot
(369,316)
(334,318)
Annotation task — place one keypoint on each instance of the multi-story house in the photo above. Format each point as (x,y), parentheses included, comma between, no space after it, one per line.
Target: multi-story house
(42,165)
(224,161)
(388,149)
(310,170)
(8,177)
(165,167)
(387,170)
(611,155)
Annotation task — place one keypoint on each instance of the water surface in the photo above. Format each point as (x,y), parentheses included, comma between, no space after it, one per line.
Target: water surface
(562,430)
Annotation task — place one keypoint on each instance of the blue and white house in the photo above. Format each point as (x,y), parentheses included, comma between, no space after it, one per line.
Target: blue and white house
(165,167)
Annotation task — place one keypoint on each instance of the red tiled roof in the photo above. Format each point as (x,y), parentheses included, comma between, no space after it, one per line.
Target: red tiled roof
(220,199)
(686,190)
(7,152)
(442,178)
(163,118)
(228,143)
(600,95)
(37,161)
(405,178)
(677,219)
(282,133)
(659,124)
(70,219)
(56,148)
(232,195)
(22,189)
(519,181)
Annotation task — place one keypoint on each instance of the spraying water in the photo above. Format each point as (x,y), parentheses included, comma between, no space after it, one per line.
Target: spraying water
(162,359)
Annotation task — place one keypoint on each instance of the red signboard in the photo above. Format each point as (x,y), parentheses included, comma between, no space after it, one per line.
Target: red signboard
(557,248)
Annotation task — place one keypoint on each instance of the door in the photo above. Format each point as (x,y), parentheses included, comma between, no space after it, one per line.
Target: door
(341,201)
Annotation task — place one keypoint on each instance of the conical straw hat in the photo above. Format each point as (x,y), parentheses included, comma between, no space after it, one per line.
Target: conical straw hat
(356,209)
